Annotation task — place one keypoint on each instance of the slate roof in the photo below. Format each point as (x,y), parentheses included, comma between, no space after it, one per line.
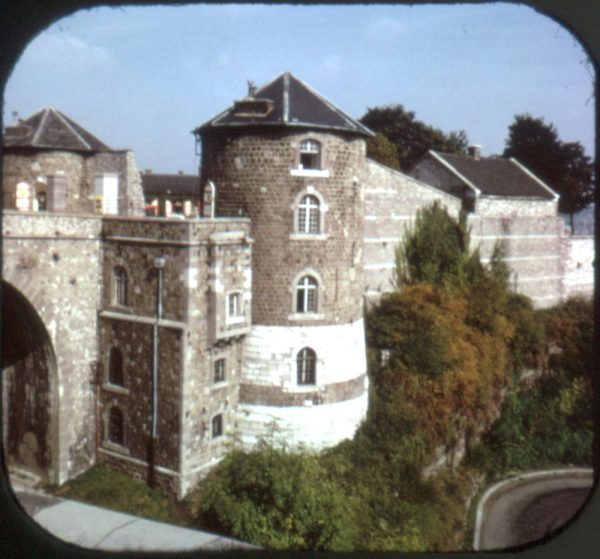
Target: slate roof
(158,184)
(496,176)
(289,102)
(51,129)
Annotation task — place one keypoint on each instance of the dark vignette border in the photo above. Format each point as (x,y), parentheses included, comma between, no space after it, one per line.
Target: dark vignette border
(20,536)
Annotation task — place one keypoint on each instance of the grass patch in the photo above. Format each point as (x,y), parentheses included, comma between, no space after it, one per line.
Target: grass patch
(117,491)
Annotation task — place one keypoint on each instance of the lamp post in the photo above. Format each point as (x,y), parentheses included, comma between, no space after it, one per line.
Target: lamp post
(159,264)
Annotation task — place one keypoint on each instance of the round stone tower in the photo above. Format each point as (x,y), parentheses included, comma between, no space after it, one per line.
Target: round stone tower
(295,164)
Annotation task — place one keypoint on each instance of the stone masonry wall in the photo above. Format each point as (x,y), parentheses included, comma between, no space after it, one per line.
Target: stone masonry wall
(80,170)
(533,244)
(256,175)
(391,203)
(54,260)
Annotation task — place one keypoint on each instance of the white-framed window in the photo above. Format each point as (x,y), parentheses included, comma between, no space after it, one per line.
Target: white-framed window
(235,309)
(309,215)
(120,281)
(216,426)
(219,370)
(116,426)
(307,292)
(306,366)
(115,367)
(310,155)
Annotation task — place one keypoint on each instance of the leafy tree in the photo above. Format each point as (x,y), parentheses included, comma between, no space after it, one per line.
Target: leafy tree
(277,499)
(563,166)
(435,250)
(411,137)
(382,150)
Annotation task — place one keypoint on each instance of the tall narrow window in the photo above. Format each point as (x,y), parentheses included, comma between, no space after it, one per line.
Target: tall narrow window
(309,215)
(310,154)
(217,426)
(115,367)
(306,366)
(115,426)
(235,312)
(306,295)
(120,286)
(219,370)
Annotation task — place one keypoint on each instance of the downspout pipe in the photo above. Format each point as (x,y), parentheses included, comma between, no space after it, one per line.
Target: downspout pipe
(159,264)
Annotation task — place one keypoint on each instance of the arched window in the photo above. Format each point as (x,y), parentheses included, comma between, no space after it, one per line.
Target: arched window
(307,295)
(120,286)
(306,366)
(310,154)
(115,367)
(115,426)
(309,215)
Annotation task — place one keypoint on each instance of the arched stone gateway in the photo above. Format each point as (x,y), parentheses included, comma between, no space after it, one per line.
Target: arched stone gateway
(28,386)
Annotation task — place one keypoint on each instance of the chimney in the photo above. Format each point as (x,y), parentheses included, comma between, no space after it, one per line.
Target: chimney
(180,172)
(251,89)
(148,171)
(474,151)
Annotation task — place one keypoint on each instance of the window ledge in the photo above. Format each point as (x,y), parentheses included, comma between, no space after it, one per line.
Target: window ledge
(306,316)
(115,388)
(315,173)
(294,388)
(235,319)
(308,236)
(115,447)
(219,384)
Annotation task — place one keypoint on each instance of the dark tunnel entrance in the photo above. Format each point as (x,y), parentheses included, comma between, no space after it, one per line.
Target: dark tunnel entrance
(28,369)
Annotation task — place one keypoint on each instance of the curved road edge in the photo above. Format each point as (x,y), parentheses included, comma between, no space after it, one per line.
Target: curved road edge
(507,485)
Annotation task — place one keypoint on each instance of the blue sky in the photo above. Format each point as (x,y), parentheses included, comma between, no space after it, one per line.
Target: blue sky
(144,77)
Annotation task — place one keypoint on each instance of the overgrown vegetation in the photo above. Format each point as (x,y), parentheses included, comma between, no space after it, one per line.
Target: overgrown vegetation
(549,424)
(114,490)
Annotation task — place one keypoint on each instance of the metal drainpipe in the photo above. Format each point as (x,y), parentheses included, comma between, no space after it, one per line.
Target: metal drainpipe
(159,264)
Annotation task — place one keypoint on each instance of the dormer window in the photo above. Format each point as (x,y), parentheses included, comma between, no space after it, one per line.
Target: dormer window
(310,154)
(252,107)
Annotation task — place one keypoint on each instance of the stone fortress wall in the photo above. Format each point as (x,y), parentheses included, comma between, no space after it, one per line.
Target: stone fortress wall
(54,261)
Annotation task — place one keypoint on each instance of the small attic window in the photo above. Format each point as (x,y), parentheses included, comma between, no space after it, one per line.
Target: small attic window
(310,154)
(253,107)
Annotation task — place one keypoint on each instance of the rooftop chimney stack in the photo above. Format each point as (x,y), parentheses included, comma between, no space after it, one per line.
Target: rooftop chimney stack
(474,151)
(251,88)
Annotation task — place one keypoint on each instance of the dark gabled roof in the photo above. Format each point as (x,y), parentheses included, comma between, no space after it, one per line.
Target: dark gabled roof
(496,176)
(51,129)
(286,101)
(157,184)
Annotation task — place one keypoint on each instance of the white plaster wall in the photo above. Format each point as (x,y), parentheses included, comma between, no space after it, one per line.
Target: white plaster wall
(314,427)
(490,206)
(579,269)
(270,354)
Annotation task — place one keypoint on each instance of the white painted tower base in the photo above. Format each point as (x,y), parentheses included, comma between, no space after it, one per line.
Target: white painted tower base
(270,363)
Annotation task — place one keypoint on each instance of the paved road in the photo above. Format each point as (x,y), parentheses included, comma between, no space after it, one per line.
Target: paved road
(98,528)
(527,508)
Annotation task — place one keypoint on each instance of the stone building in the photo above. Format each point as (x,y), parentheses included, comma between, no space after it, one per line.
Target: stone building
(506,203)
(169,195)
(150,343)
(51,163)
